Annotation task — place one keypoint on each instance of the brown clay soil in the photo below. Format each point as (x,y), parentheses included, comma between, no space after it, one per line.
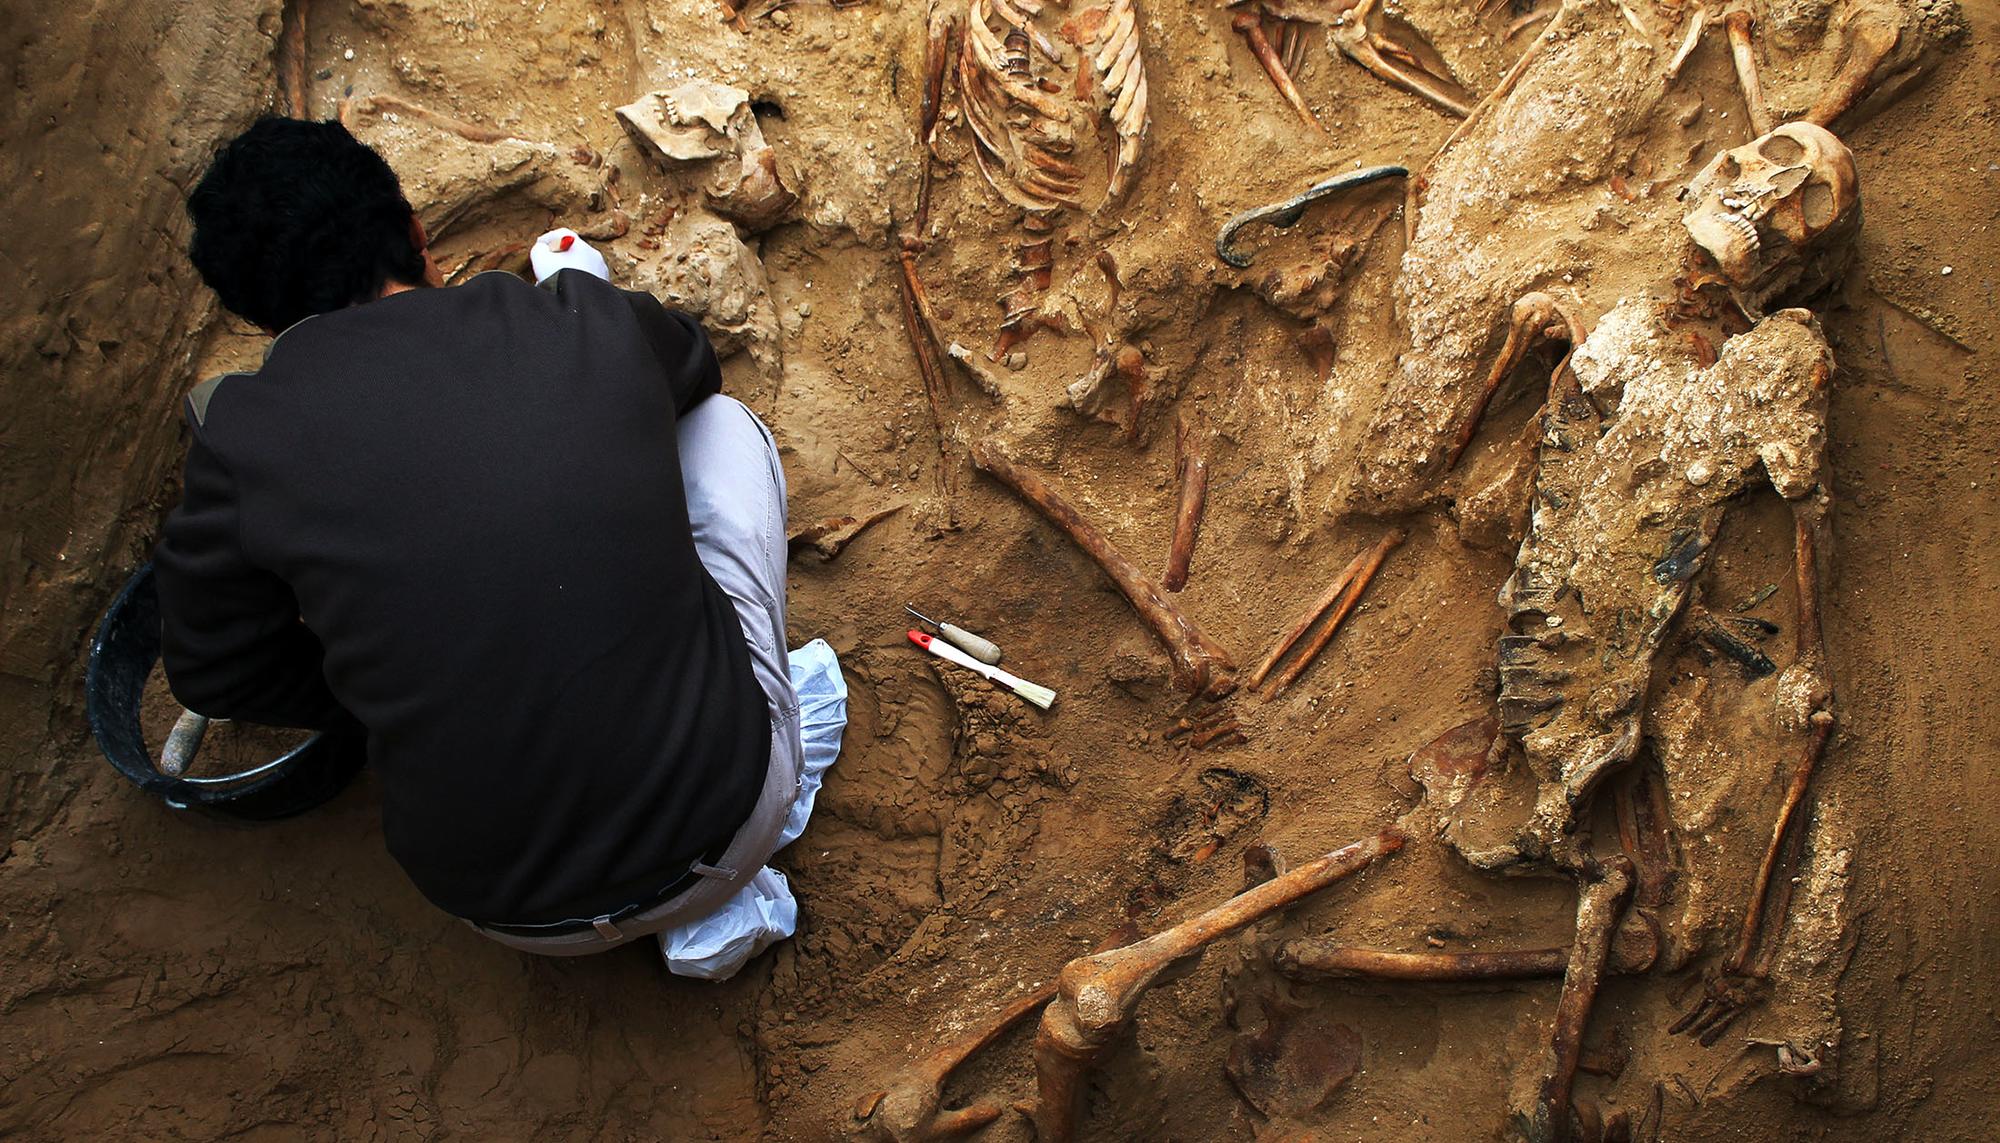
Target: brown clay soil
(167,976)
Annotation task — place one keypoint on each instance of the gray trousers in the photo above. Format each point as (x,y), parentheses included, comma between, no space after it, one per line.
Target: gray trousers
(736,502)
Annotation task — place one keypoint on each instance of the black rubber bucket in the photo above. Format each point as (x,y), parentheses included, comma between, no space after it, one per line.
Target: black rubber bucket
(121,658)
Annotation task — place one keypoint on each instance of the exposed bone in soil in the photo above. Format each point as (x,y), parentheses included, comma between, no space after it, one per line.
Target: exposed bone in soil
(171,976)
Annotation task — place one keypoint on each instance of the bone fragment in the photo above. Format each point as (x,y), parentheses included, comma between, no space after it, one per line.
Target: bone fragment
(1341,602)
(829,536)
(1523,23)
(1250,24)
(183,743)
(1192,447)
(1870,37)
(1743,52)
(391,105)
(1409,62)
(1533,320)
(1313,960)
(292,58)
(981,376)
(1696,23)
(1308,959)
(907,1109)
(1199,665)
(1292,45)
(1097,994)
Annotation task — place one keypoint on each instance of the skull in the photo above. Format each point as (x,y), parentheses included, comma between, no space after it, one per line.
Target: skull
(1773,215)
(711,129)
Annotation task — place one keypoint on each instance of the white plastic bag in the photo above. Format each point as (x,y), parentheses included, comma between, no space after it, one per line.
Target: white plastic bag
(715,947)
(563,249)
(764,911)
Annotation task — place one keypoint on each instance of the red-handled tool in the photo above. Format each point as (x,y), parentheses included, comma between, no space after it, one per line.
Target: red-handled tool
(1035,693)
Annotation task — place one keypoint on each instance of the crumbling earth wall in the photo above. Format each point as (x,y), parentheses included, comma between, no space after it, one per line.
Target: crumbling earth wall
(112,110)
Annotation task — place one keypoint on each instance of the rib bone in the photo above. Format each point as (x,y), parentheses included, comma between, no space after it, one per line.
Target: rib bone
(1342,598)
(1200,666)
(1121,81)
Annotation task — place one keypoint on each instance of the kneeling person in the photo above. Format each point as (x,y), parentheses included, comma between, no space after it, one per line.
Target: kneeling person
(514,533)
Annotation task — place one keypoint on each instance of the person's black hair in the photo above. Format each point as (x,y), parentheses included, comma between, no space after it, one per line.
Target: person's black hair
(296,218)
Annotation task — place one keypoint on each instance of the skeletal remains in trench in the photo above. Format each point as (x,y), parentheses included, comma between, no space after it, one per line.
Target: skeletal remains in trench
(1648,434)
(1660,416)
(1025,126)
(1548,169)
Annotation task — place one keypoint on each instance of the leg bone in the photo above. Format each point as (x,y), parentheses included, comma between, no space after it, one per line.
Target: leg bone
(917,326)
(1098,994)
(1200,665)
(941,47)
(292,57)
(907,1110)
(1598,906)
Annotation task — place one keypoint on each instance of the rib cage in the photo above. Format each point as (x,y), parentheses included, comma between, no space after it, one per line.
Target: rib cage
(1121,83)
(1025,134)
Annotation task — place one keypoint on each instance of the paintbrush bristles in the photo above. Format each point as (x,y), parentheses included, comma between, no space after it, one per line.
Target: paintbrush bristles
(1035,693)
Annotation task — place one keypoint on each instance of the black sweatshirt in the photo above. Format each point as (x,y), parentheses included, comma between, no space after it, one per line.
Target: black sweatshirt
(456,515)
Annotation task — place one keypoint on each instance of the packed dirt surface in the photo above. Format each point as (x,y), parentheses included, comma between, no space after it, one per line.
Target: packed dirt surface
(174,976)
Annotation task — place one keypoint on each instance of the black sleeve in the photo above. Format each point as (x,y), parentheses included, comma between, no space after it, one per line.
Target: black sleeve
(681,346)
(231,637)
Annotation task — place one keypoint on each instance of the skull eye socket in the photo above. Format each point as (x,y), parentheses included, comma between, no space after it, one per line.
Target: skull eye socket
(1781,149)
(1816,205)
